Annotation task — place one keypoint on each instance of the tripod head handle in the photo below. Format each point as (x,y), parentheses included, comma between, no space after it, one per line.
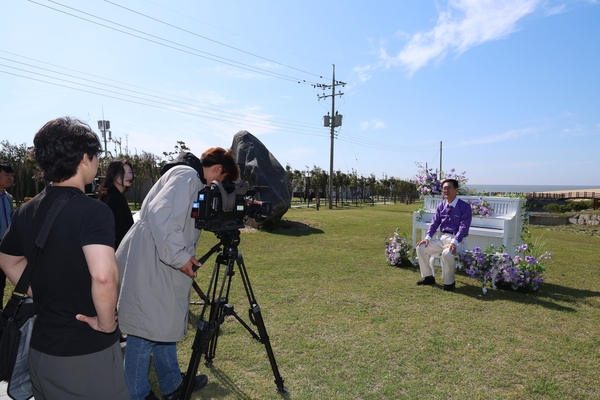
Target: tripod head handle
(205,257)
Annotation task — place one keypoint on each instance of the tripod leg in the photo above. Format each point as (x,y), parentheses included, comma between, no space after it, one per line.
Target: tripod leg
(218,305)
(217,317)
(206,338)
(206,331)
(257,320)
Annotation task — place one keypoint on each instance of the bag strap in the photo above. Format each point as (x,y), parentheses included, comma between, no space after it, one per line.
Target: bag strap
(20,292)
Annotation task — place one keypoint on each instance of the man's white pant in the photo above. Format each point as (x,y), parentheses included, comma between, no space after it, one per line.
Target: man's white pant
(435,247)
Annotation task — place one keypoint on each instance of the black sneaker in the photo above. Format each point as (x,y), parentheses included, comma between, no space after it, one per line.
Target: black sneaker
(199,383)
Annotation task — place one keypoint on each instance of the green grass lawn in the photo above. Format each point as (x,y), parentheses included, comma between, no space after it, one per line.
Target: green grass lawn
(343,324)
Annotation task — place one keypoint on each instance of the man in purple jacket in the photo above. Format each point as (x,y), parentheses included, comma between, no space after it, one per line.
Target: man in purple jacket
(453,217)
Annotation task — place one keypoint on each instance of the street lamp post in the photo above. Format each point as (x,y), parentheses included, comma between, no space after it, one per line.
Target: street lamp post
(306,184)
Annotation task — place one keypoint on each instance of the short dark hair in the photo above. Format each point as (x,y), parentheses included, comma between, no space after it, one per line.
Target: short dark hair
(4,166)
(218,155)
(454,182)
(60,145)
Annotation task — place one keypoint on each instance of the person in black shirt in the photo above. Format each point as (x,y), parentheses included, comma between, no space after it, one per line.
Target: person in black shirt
(74,349)
(118,179)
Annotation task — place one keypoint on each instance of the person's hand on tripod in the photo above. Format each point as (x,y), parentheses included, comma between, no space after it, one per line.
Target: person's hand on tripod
(188,267)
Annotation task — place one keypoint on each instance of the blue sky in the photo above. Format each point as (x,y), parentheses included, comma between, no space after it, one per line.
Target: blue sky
(509,88)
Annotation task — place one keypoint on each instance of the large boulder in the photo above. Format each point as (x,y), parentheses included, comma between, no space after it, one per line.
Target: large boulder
(260,168)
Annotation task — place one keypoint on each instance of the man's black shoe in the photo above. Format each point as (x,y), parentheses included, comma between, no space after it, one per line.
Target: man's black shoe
(450,287)
(199,383)
(428,280)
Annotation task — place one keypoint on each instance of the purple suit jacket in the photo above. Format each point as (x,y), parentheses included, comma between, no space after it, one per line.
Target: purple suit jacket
(456,221)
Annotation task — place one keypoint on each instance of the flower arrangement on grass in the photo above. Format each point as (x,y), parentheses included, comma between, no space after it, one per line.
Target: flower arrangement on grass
(398,250)
(481,208)
(494,267)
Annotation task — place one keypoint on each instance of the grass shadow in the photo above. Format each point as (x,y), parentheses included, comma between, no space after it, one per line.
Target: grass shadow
(221,385)
(228,387)
(225,385)
(408,266)
(567,294)
(551,296)
(295,228)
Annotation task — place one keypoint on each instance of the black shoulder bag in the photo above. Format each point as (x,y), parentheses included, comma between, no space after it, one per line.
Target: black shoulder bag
(18,317)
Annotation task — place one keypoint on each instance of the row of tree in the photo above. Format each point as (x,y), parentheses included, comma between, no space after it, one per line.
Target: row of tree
(27,181)
(348,187)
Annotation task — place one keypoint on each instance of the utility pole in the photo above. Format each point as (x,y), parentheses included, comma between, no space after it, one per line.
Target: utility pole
(440,158)
(332,121)
(104,127)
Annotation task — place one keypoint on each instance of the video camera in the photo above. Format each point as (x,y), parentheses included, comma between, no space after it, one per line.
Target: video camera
(223,206)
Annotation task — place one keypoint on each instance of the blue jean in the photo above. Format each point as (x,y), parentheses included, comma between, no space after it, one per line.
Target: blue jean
(137,366)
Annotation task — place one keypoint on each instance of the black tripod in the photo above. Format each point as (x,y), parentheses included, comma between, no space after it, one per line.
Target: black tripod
(216,302)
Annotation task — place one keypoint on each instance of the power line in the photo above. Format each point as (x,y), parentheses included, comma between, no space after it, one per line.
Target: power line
(153,99)
(189,108)
(147,102)
(172,45)
(161,101)
(236,34)
(209,39)
(161,95)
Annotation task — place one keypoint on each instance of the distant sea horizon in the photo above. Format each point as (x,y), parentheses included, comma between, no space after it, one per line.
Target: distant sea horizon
(482,188)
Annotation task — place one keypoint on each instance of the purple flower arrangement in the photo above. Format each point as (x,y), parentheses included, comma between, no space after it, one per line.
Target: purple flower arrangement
(481,208)
(428,183)
(398,250)
(495,267)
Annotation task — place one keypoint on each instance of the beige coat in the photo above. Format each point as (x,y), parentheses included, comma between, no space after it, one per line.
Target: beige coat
(154,296)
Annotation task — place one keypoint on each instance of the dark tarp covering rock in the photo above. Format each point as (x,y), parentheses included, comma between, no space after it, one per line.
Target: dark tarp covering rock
(260,168)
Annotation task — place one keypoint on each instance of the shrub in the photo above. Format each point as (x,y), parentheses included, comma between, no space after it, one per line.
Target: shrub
(581,205)
(576,206)
(557,208)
